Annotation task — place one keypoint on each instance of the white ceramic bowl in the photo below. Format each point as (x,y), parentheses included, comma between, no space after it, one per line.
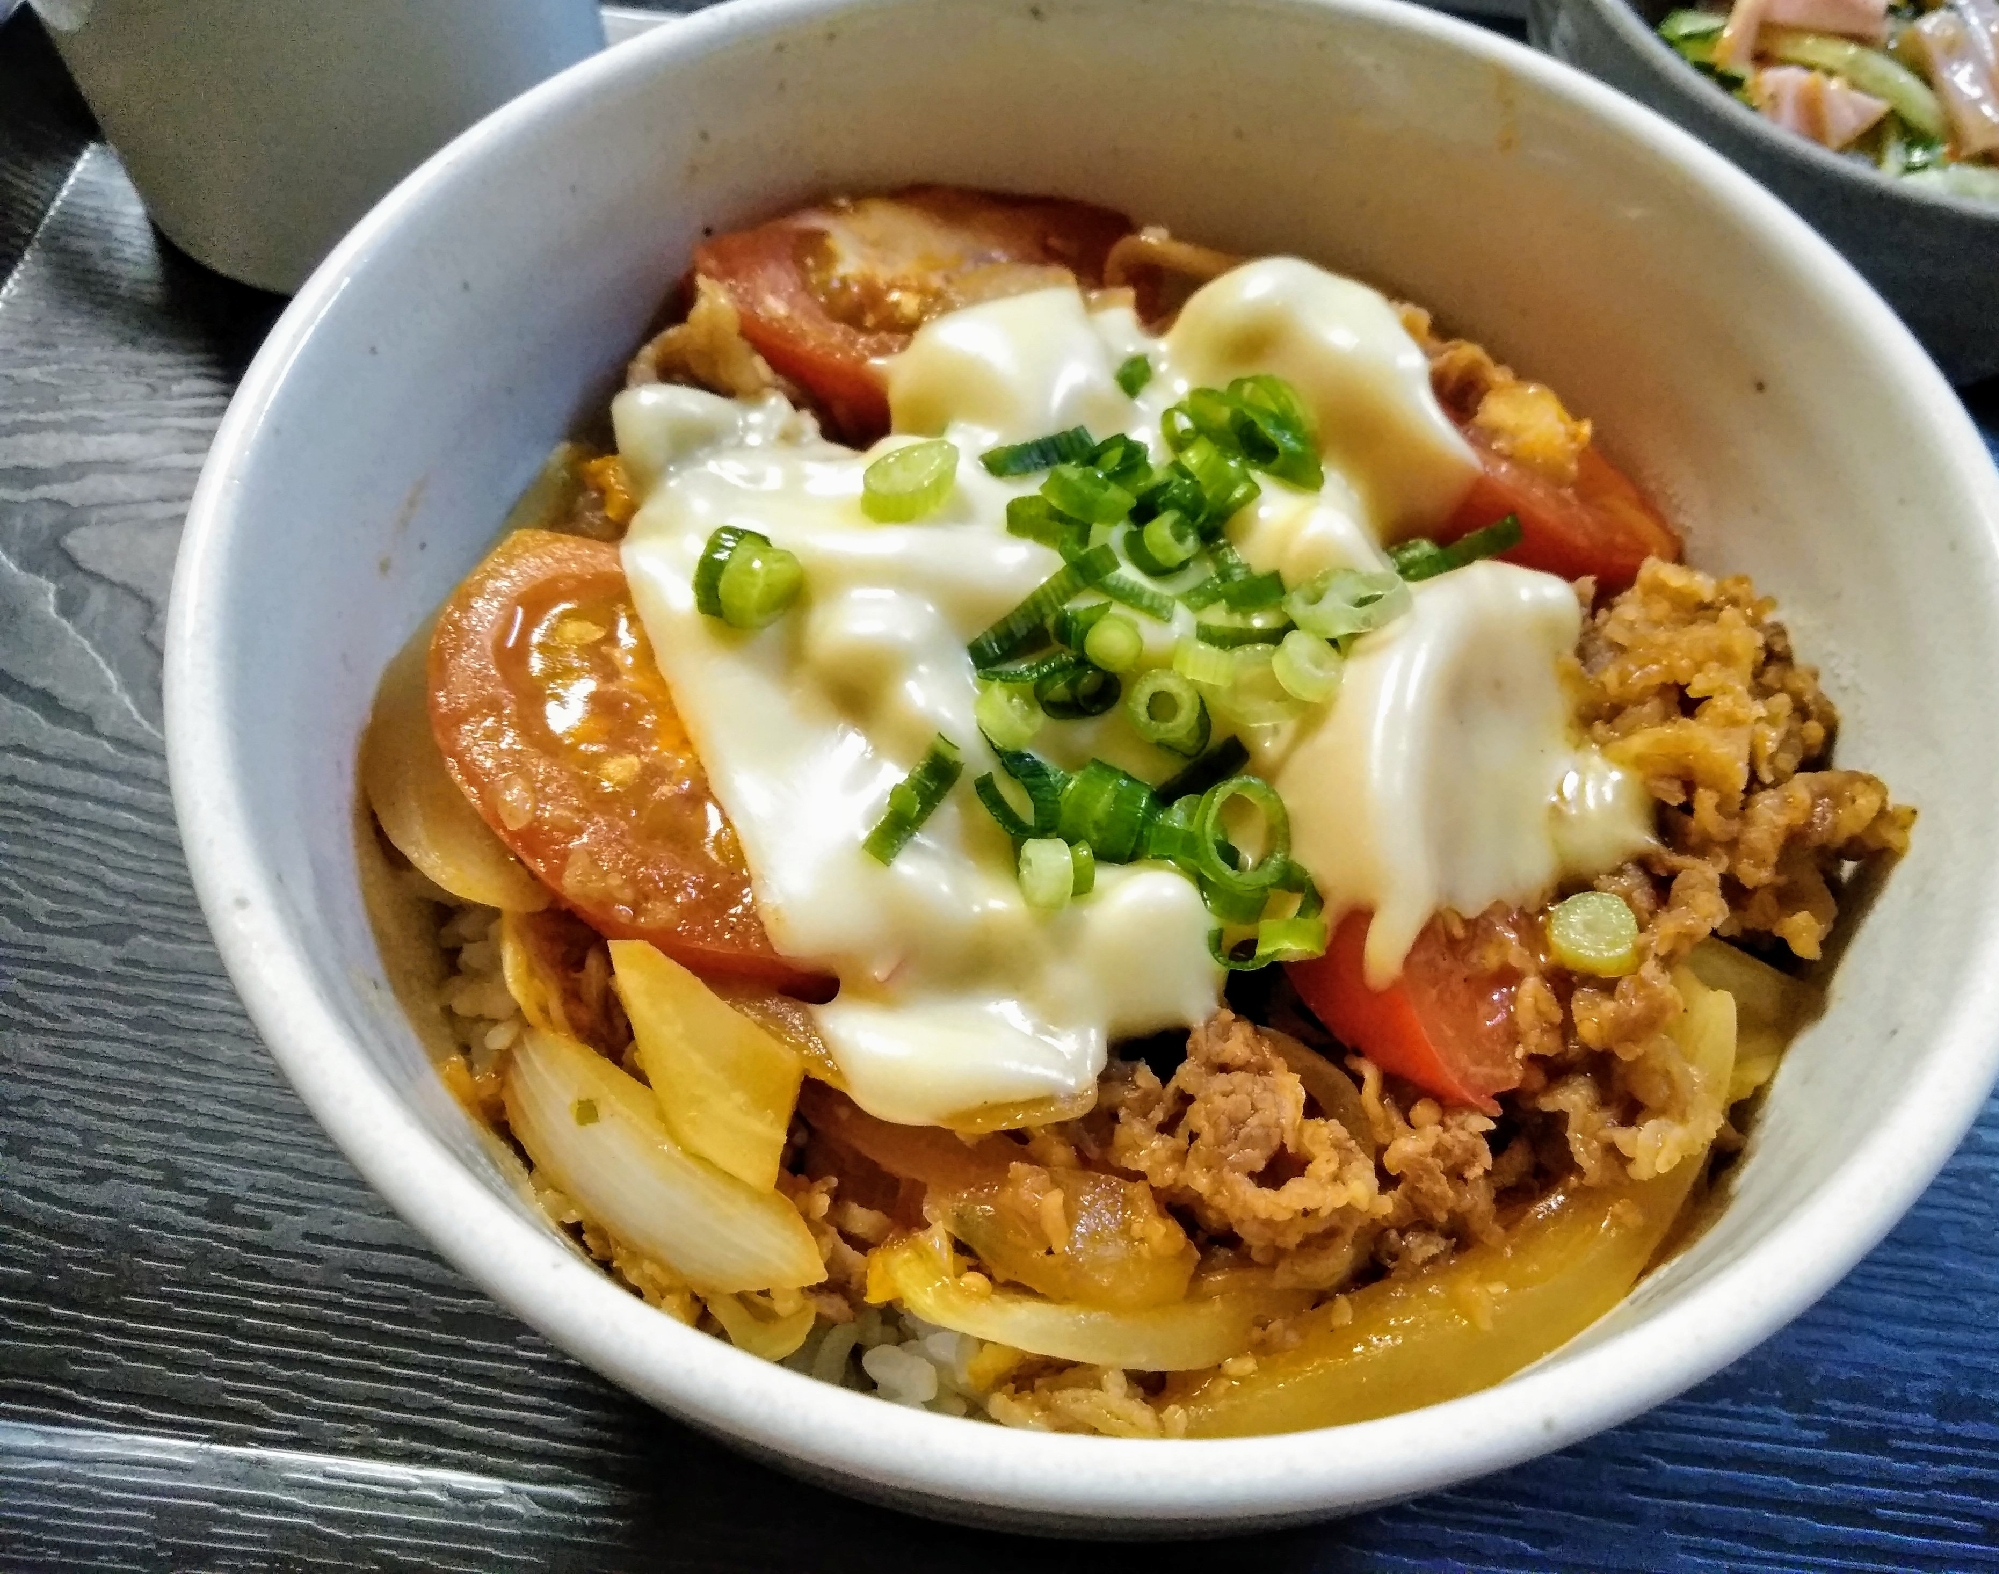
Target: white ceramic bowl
(1728,355)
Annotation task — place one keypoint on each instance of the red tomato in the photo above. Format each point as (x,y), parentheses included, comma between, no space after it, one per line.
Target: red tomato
(827,291)
(556,724)
(1601,526)
(1446,1024)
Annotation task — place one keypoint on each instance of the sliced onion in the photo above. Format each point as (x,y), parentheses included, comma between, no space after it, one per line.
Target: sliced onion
(419,806)
(1186,1336)
(597,1134)
(763,1332)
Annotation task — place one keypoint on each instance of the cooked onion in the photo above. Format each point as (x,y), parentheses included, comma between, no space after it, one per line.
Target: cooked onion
(1185,1336)
(419,806)
(597,1135)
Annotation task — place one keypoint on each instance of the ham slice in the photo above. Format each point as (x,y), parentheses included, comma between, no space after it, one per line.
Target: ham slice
(1735,49)
(1866,20)
(1960,45)
(1816,105)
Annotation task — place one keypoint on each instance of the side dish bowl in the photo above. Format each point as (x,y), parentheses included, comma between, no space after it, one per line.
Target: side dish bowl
(1934,257)
(1749,378)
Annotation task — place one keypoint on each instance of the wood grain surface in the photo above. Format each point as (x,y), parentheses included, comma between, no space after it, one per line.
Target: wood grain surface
(219,1351)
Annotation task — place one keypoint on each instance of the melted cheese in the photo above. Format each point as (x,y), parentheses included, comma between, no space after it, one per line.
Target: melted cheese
(1445,775)
(956,996)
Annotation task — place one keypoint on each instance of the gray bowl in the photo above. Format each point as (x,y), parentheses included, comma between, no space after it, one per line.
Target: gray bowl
(1934,258)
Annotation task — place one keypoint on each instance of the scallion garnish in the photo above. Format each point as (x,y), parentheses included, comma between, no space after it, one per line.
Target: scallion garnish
(1169,540)
(1032,519)
(1039,453)
(1007,714)
(1307,668)
(1200,662)
(1210,836)
(1084,860)
(1274,430)
(1140,598)
(1165,709)
(1219,763)
(1071,626)
(1077,690)
(908,482)
(1086,494)
(1043,783)
(914,799)
(1029,670)
(1133,375)
(1253,591)
(1204,593)
(1114,643)
(744,580)
(1342,602)
(1028,621)
(1230,630)
(1108,808)
(1291,939)
(1422,558)
(1047,873)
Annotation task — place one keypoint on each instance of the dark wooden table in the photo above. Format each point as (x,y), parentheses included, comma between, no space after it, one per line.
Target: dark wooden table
(218,1350)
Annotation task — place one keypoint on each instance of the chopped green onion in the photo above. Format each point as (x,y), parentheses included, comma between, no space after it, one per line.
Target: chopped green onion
(1594,932)
(1210,836)
(1047,873)
(1254,697)
(1078,690)
(1029,620)
(1422,558)
(1133,375)
(1039,453)
(914,799)
(1165,709)
(1007,714)
(1292,939)
(908,482)
(1085,862)
(1219,763)
(1307,667)
(1043,783)
(1072,625)
(1170,836)
(1274,430)
(1154,604)
(1032,519)
(1108,808)
(1228,904)
(1229,564)
(1203,593)
(744,580)
(1200,662)
(1232,630)
(1342,602)
(1226,487)
(1253,591)
(1125,461)
(1114,643)
(1084,493)
(1170,541)
(1026,671)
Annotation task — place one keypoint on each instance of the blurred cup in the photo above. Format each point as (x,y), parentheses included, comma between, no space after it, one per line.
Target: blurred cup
(258,131)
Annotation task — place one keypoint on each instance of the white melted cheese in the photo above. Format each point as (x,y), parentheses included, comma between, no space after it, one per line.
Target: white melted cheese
(955,996)
(1445,774)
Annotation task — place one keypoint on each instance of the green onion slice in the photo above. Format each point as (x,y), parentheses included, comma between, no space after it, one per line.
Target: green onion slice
(1219,763)
(1422,558)
(1343,602)
(1085,863)
(1170,540)
(1084,493)
(908,482)
(1307,668)
(744,580)
(1155,604)
(1047,873)
(1254,697)
(1006,713)
(1043,783)
(1078,690)
(914,799)
(1594,932)
(1133,375)
(1253,591)
(1203,593)
(1114,643)
(1029,620)
(1292,939)
(1200,662)
(1230,631)
(1029,670)
(1071,626)
(1039,453)
(1165,709)
(1210,836)
(1108,808)
(1032,519)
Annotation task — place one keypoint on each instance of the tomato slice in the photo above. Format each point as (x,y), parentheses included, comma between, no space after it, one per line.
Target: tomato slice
(825,292)
(1446,1024)
(556,724)
(1602,526)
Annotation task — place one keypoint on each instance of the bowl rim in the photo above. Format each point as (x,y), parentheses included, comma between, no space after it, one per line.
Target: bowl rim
(1674,71)
(921,1459)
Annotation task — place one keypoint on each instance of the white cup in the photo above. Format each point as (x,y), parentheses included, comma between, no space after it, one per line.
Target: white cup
(258,131)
